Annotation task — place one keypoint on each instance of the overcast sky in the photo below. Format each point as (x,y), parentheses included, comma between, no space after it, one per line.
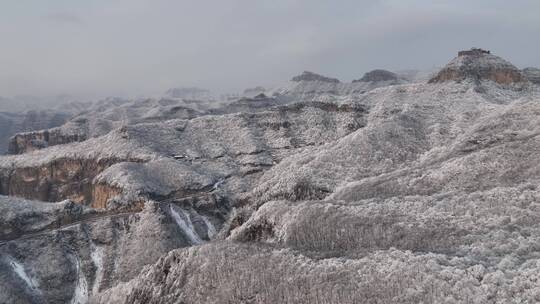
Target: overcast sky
(143,47)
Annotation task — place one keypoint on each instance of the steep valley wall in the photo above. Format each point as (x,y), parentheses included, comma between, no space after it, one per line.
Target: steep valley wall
(59,180)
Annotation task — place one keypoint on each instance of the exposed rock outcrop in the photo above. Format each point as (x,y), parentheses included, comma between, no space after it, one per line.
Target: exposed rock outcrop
(13,123)
(55,181)
(478,65)
(31,141)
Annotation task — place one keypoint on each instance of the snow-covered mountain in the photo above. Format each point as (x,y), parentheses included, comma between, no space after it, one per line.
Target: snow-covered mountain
(310,86)
(383,190)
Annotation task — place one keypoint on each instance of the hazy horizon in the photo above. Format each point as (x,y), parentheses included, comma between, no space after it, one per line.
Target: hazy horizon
(103,48)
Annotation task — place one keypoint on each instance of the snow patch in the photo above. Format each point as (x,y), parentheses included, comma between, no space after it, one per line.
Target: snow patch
(183,221)
(21,272)
(218,184)
(210,228)
(97,256)
(80,295)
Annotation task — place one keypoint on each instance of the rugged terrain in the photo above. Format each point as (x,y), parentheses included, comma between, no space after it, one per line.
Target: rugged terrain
(376,191)
(12,123)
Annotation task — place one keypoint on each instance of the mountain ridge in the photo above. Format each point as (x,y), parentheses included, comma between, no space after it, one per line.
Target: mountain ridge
(386,192)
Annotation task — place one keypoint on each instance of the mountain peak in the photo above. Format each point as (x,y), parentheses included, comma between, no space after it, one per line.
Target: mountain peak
(478,64)
(310,76)
(378,75)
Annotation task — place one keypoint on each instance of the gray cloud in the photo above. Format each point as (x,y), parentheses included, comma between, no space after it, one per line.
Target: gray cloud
(64,18)
(133,47)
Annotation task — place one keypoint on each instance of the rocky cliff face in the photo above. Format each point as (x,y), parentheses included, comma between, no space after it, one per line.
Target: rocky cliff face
(67,178)
(409,193)
(30,141)
(12,123)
